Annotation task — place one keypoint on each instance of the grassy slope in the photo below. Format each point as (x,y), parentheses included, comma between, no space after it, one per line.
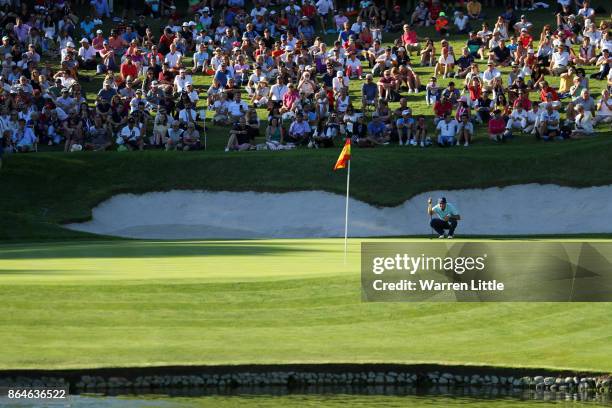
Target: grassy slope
(41,191)
(154,303)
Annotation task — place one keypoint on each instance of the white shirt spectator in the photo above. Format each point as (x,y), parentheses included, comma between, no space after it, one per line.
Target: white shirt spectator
(339,83)
(258,11)
(586,12)
(193,96)
(447,129)
(605,45)
(489,75)
(172,59)
(180,83)
(277,91)
(87,54)
(24,137)
(323,6)
(560,59)
(584,122)
(550,117)
(187,115)
(461,21)
(130,134)
(357,27)
(236,108)
(518,119)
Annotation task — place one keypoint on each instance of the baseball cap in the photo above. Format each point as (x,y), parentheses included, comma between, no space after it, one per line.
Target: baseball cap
(442,14)
(406,112)
(84,40)
(339,74)
(442,200)
(98,31)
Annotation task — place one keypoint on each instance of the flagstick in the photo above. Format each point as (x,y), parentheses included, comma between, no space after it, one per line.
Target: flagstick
(348,179)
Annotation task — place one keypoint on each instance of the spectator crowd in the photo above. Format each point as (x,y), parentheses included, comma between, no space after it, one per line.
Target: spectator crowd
(273,57)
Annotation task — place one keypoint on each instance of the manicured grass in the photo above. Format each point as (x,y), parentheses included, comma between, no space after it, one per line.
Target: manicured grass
(136,303)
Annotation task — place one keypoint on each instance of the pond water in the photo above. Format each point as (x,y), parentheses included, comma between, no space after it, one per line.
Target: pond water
(330,397)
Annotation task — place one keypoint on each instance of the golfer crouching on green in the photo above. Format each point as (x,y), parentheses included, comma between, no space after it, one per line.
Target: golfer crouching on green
(447,217)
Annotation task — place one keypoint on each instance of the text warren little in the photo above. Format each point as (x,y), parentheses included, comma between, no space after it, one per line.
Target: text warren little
(431,285)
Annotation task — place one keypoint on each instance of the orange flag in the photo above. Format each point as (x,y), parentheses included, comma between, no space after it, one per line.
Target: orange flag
(345,155)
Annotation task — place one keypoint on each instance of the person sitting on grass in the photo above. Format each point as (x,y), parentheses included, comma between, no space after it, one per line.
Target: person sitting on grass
(464,63)
(275,135)
(549,124)
(130,137)
(446,62)
(369,93)
(517,119)
(501,54)
(465,131)
(378,132)
(603,112)
(441,108)
(239,137)
(299,130)
(191,137)
(23,139)
(461,22)
(173,139)
(447,131)
(447,216)
(99,135)
(405,128)
(387,85)
(583,122)
(441,24)
(497,126)
(432,91)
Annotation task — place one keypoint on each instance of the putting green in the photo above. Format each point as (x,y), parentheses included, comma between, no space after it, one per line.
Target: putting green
(142,303)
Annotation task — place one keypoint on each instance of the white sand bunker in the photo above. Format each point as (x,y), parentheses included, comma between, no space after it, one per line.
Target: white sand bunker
(521,209)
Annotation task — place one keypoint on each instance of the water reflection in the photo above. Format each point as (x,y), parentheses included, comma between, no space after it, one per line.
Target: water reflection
(327,396)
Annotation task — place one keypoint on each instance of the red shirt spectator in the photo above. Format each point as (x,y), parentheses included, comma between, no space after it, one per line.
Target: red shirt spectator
(522,101)
(165,40)
(443,106)
(497,125)
(309,10)
(548,94)
(525,39)
(128,68)
(409,37)
(116,42)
